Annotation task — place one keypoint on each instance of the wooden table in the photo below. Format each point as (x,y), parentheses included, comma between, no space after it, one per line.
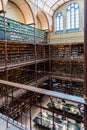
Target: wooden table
(69,109)
(47,121)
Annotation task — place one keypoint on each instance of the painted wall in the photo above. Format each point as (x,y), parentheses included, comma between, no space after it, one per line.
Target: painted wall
(26,11)
(65,36)
(38,12)
(18,10)
(38,23)
(13,12)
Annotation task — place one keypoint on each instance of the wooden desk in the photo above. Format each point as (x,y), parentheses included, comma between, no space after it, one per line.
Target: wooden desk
(47,121)
(69,109)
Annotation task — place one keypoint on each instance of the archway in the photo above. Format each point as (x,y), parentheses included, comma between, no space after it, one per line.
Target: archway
(16,9)
(43,21)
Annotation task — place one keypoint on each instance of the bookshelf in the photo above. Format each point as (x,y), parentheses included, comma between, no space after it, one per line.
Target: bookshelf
(67,59)
(27,52)
(77,69)
(40,50)
(77,88)
(60,51)
(14,108)
(41,69)
(17,31)
(23,74)
(67,86)
(46,51)
(2,53)
(70,51)
(77,51)
(20,52)
(13,52)
(59,67)
(65,66)
(67,62)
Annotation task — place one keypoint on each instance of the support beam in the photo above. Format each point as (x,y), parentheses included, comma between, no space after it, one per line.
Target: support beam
(85,49)
(85,62)
(2,11)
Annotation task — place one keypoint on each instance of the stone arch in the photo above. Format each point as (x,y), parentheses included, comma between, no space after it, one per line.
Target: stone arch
(21,8)
(43,20)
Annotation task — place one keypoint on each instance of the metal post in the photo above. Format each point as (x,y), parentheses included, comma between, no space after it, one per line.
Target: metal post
(50,87)
(53,121)
(30,104)
(6,57)
(70,62)
(41,108)
(21,117)
(6,71)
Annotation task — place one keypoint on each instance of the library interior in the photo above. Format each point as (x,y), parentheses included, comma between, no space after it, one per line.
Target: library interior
(43,64)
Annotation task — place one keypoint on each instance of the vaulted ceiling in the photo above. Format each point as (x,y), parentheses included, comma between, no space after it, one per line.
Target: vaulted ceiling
(49,6)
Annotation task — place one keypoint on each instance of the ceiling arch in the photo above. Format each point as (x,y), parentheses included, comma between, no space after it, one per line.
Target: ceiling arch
(24,7)
(49,6)
(43,20)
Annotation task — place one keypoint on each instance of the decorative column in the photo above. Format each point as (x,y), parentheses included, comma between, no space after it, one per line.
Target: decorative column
(85,62)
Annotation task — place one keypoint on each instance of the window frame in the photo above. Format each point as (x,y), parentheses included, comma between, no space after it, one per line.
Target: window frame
(60,23)
(72,29)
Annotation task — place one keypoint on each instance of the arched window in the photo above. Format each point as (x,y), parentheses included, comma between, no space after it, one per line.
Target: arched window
(72,22)
(59,22)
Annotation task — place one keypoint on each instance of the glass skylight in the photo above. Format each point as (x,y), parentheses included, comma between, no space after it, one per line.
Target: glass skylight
(50,2)
(49,6)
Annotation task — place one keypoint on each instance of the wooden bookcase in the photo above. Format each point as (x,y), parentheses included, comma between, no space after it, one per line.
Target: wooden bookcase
(20,52)
(2,53)
(22,74)
(67,62)
(60,51)
(60,67)
(77,69)
(27,52)
(64,85)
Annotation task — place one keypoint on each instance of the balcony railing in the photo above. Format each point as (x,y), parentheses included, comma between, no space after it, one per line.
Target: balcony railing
(49,107)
